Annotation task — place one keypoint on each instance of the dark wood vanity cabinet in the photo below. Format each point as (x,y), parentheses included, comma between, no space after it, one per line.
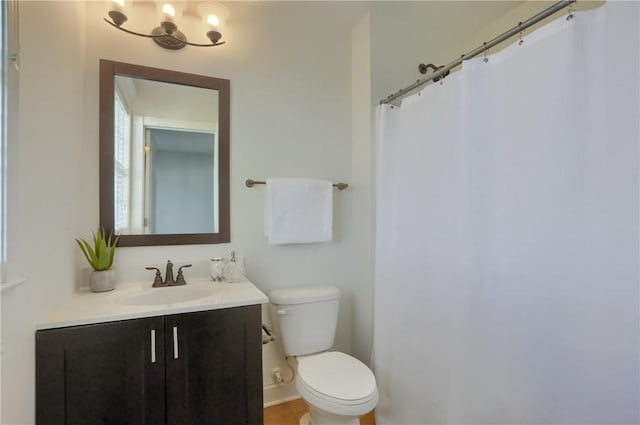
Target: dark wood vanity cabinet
(217,375)
(100,374)
(202,368)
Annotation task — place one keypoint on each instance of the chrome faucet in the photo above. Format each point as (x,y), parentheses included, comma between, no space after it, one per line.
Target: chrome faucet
(168,276)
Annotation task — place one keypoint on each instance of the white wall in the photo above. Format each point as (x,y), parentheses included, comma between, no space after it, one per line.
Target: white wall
(46,212)
(362,179)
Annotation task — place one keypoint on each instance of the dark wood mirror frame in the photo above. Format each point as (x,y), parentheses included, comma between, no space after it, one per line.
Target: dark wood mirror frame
(108,71)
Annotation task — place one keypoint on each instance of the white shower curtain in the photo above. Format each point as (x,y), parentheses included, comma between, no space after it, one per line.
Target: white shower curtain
(507,252)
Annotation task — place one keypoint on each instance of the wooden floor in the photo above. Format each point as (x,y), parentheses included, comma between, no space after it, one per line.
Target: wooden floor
(289,414)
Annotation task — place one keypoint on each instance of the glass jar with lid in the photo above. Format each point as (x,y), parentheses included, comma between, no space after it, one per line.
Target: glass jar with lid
(217,268)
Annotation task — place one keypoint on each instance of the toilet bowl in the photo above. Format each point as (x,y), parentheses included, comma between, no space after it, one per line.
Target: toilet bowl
(337,388)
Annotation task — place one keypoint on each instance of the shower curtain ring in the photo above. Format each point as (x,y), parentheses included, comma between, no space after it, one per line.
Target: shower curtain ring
(570,15)
(521,42)
(486,59)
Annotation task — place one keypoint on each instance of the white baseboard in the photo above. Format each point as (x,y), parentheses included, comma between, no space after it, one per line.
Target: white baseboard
(276,394)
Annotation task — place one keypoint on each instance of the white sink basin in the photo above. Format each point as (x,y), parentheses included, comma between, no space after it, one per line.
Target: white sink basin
(166,295)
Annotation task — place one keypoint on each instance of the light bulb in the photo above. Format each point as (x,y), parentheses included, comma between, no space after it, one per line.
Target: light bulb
(117,5)
(169,10)
(213,20)
(214,14)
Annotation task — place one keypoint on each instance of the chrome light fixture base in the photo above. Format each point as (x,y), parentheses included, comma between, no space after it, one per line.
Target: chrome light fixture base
(168,36)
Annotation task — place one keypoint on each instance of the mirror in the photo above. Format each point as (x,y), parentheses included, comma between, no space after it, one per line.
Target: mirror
(164,156)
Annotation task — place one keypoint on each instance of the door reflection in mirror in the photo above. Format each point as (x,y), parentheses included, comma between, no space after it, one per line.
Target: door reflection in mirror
(180,181)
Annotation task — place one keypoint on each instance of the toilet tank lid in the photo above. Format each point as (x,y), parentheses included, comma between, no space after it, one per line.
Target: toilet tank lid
(302,295)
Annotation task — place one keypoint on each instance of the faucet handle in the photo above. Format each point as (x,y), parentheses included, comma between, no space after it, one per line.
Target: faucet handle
(180,277)
(157,280)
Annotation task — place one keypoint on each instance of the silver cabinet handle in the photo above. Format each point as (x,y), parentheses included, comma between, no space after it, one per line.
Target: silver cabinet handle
(153,345)
(175,342)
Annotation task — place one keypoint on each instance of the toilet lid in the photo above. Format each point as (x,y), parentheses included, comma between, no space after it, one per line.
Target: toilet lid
(337,375)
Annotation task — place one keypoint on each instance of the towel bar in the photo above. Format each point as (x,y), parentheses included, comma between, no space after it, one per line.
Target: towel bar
(251,182)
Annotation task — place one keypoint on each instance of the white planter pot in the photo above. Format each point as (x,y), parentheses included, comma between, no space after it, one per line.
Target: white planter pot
(102,281)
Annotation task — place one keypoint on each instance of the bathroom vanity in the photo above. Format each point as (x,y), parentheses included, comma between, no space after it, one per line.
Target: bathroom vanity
(191,355)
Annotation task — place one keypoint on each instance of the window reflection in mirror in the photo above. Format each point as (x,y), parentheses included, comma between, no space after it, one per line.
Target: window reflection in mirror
(164,155)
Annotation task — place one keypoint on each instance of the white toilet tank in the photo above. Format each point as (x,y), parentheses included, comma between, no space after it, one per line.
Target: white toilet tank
(304,319)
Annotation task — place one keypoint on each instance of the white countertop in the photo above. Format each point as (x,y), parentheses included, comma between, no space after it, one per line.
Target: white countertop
(86,307)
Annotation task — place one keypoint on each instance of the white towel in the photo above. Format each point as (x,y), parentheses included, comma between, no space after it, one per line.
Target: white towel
(298,211)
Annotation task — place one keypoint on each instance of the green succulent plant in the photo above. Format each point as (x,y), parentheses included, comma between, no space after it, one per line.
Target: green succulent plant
(100,255)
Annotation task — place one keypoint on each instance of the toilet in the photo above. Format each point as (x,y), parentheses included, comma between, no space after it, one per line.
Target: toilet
(337,388)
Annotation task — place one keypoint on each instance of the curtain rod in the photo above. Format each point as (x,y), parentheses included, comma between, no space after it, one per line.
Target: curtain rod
(485,46)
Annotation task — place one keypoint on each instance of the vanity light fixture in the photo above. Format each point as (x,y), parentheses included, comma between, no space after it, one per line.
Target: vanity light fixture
(167,34)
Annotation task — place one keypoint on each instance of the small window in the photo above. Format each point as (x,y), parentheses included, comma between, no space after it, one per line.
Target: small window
(122,154)
(4,63)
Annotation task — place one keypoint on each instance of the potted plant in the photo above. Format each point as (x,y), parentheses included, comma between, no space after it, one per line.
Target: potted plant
(100,257)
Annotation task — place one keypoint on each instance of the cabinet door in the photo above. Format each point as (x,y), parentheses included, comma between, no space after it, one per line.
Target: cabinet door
(101,374)
(214,373)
